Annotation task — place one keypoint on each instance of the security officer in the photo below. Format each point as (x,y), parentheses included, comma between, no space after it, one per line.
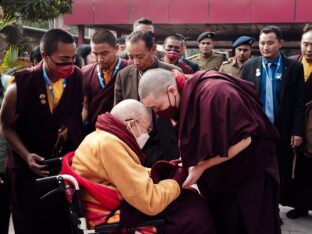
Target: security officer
(207,59)
(242,50)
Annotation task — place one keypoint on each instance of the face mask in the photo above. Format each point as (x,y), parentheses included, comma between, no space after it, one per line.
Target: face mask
(142,139)
(171,112)
(63,70)
(172,55)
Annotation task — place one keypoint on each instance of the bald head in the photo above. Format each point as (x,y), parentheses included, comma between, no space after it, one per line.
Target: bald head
(131,109)
(155,82)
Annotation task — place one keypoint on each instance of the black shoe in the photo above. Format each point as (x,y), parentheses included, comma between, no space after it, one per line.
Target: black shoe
(296,213)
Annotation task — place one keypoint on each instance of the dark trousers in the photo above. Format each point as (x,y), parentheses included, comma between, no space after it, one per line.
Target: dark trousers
(4,204)
(32,215)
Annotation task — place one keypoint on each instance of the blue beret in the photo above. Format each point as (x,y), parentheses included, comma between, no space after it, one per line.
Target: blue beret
(243,40)
(204,35)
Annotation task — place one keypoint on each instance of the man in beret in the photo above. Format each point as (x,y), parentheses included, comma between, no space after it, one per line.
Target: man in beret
(207,59)
(242,52)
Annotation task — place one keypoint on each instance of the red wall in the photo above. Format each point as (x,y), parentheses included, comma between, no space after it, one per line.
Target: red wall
(190,12)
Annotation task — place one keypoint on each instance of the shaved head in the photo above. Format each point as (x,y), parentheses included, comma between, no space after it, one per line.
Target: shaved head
(132,109)
(155,82)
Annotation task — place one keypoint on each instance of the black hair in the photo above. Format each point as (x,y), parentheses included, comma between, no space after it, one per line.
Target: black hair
(175,36)
(83,51)
(51,38)
(141,35)
(104,36)
(272,29)
(143,20)
(35,55)
(121,40)
(306,28)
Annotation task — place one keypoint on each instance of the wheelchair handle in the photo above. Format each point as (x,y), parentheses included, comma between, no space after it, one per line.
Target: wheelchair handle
(47,180)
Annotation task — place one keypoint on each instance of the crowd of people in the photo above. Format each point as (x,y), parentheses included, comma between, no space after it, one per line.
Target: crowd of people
(143,126)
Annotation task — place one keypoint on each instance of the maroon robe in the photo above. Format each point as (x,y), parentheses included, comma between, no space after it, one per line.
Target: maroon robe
(299,189)
(38,128)
(185,68)
(216,112)
(100,100)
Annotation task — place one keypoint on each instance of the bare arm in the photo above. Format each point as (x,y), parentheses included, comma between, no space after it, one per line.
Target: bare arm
(8,119)
(196,171)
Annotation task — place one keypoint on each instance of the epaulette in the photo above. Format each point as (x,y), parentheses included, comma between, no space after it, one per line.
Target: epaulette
(193,56)
(226,62)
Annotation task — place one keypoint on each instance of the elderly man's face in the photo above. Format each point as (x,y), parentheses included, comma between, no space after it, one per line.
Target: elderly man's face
(306,46)
(142,57)
(165,105)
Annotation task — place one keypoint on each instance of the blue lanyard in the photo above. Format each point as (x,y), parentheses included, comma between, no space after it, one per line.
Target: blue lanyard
(276,70)
(48,83)
(101,80)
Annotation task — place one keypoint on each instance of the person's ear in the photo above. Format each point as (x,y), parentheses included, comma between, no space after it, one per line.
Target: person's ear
(172,89)
(44,55)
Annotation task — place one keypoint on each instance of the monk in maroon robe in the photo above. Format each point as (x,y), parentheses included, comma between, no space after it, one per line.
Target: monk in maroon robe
(99,78)
(42,106)
(227,142)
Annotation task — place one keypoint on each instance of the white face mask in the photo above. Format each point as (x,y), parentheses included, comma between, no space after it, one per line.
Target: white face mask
(142,139)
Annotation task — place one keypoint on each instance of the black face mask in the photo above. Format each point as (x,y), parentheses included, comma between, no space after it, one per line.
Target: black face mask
(171,112)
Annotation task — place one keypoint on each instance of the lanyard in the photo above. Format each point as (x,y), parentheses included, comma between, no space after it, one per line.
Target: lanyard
(276,70)
(101,80)
(48,83)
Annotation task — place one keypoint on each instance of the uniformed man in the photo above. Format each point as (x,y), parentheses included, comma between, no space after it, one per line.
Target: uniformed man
(207,59)
(242,49)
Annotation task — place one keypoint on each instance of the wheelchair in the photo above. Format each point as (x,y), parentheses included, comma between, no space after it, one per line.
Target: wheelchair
(69,185)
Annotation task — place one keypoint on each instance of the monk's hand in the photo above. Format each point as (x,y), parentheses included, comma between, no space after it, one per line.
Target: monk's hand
(295,141)
(63,133)
(34,163)
(195,173)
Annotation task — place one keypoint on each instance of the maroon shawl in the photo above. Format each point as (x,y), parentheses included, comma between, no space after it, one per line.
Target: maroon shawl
(107,122)
(100,100)
(216,112)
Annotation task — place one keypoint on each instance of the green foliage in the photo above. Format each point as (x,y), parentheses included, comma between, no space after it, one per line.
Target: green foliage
(11,63)
(6,21)
(34,10)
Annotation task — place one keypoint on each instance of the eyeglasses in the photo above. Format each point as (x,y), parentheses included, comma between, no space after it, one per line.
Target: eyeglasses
(149,129)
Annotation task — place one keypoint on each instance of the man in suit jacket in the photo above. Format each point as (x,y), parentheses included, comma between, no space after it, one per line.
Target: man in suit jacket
(163,143)
(301,190)
(280,85)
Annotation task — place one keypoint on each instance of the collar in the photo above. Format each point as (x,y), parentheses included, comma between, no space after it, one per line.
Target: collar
(111,68)
(274,61)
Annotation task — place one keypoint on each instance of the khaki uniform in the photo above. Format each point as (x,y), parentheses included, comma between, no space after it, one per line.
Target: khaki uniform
(230,67)
(212,63)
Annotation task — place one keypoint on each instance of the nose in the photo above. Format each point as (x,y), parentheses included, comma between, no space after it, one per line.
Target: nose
(136,62)
(99,58)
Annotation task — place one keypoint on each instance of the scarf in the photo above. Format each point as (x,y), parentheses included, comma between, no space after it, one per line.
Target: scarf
(107,122)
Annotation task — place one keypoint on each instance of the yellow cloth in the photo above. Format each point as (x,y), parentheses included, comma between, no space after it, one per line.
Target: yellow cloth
(107,74)
(105,159)
(58,90)
(307,67)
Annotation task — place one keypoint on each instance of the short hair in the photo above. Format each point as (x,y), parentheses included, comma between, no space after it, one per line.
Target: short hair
(155,82)
(104,36)
(131,109)
(51,38)
(307,28)
(83,51)
(35,54)
(174,37)
(143,36)
(272,29)
(121,40)
(142,20)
